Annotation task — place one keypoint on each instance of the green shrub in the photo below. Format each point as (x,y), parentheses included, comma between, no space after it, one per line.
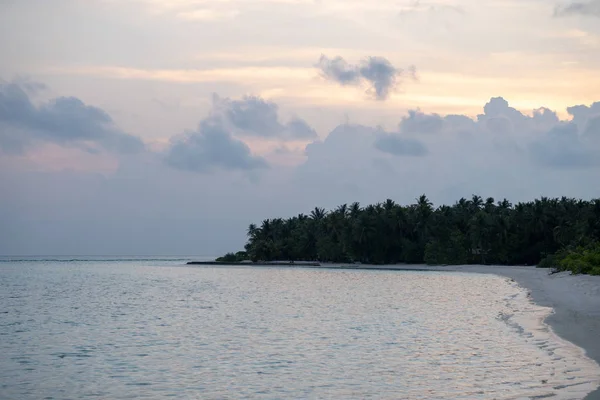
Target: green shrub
(578,260)
(549,261)
(233,257)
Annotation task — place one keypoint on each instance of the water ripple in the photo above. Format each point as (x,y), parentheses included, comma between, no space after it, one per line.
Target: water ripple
(118,330)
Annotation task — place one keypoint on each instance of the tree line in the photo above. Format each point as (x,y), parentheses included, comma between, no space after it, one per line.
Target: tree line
(470,231)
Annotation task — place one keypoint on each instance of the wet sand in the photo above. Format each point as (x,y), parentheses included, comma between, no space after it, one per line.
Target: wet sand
(575,300)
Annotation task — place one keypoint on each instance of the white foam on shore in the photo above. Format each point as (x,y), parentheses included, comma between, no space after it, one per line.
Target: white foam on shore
(573,374)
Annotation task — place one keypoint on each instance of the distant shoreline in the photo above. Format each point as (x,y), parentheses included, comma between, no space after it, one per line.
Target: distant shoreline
(267,263)
(575,299)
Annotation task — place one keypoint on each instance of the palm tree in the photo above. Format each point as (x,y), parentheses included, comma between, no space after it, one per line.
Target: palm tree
(252,230)
(342,210)
(476,202)
(388,232)
(318,213)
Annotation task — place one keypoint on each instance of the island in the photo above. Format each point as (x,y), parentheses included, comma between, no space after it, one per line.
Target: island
(559,233)
(224,261)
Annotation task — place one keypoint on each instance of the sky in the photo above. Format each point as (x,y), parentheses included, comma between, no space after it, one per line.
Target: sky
(165,127)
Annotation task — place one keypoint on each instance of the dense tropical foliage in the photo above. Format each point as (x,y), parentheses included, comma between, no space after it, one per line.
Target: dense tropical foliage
(470,231)
(577,259)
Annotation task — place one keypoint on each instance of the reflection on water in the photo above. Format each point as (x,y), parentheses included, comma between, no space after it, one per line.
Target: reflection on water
(124,329)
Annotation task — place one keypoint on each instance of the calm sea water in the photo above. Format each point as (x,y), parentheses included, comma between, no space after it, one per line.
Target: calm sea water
(155,328)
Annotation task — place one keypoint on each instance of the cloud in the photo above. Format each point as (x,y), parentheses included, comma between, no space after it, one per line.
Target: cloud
(209,148)
(523,156)
(583,112)
(381,74)
(591,8)
(540,138)
(419,123)
(497,106)
(592,129)
(215,145)
(501,152)
(378,73)
(398,146)
(562,147)
(338,70)
(500,132)
(65,121)
(257,117)
(252,115)
(297,128)
(341,163)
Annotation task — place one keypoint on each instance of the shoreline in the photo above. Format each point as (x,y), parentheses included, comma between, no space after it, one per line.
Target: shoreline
(574,299)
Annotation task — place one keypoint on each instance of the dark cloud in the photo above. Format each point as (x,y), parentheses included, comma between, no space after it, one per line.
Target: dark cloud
(568,144)
(214,145)
(298,129)
(541,136)
(562,147)
(591,133)
(254,116)
(211,147)
(381,74)
(377,72)
(338,70)
(398,146)
(417,122)
(65,121)
(498,117)
(582,112)
(591,8)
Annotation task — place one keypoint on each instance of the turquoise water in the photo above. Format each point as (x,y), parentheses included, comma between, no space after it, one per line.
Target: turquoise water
(154,328)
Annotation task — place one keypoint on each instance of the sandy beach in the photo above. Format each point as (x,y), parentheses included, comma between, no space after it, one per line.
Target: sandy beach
(575,300)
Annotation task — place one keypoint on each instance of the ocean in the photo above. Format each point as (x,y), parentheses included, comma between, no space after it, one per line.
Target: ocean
(119,328)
